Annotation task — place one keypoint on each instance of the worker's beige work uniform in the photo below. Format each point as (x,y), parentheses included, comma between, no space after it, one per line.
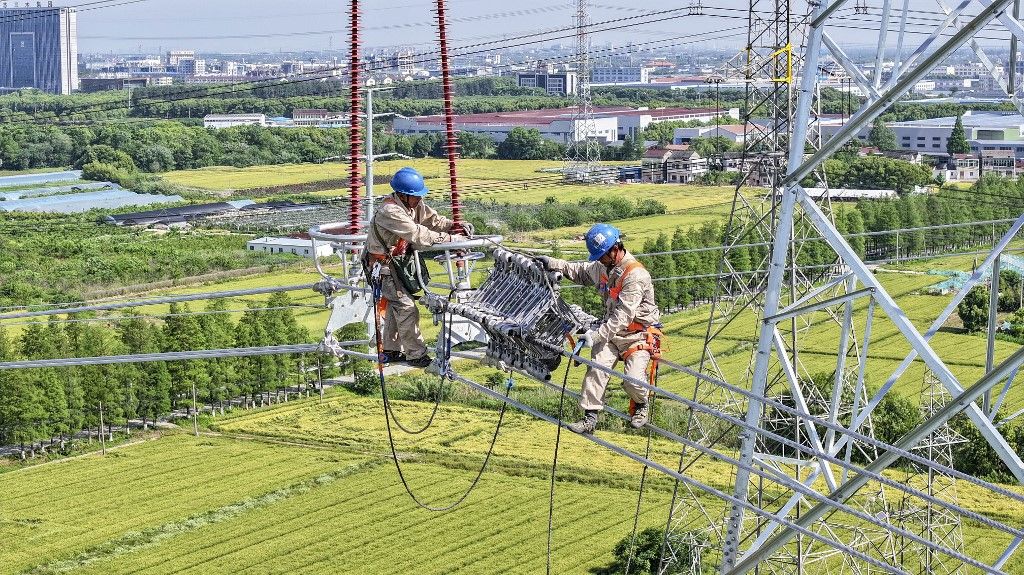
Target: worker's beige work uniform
(420,228)
(634,304)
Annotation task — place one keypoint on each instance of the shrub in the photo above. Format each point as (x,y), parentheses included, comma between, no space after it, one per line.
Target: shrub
(101,172)
(365,380)
(647,552)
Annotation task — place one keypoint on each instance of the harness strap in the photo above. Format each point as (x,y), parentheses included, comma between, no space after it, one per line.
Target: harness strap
(401,246)
(651,343)
(615,290)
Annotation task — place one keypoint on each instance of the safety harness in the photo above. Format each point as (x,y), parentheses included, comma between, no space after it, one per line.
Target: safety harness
(402,262)
(653,336)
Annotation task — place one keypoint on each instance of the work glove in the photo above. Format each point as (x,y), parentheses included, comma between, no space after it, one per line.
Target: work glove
(546,262)
(588,338)
(468,229)
(452,238)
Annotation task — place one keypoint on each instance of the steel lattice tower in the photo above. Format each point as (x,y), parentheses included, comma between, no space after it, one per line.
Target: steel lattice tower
(922,517)
(769,66)
(783,298)
(582,153)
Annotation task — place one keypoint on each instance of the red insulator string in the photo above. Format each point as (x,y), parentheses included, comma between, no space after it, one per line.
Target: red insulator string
(451,140)
(355,176)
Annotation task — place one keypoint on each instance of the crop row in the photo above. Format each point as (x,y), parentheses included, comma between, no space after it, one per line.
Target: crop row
(148,494)
(367,524)
(245,538)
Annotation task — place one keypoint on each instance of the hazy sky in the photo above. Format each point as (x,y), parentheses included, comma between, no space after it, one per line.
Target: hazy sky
(265,25)
(216,25)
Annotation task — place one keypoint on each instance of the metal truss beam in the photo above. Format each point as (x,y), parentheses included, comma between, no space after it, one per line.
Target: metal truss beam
(799,168)
(794,312)
(850,67)
(923,48)
(892,92)
(913,337)
(849,489)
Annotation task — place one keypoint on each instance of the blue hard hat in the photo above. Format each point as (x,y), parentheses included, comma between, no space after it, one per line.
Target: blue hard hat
(600,239)
(409,182)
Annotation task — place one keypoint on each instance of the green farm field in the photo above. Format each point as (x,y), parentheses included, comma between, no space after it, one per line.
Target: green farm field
(305,487)
(434,170)
(501,181)
(310,503)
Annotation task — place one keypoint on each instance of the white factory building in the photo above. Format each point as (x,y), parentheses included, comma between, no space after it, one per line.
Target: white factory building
(559,124)
(621,75)
(985,131)
(296,246)
(735,133)
(218,121)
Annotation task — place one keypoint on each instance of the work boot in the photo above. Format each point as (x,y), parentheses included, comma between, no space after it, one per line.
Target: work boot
(587,425)
(422,361)
(392,356)
(641,415)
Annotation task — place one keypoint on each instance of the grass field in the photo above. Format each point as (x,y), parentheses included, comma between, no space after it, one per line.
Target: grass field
(60,511)
(323,506)
(314,495)
(221,178)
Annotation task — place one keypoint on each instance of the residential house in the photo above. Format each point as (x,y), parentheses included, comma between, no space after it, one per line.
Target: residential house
(673,164)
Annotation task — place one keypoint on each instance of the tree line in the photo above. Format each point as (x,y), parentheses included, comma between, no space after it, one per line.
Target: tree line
(164,146)
(696,271)
(49,258)
(51,405)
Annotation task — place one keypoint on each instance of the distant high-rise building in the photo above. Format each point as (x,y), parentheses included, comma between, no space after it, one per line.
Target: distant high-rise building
(403,62)
(174,57)
(555,83)
(39,49)
(191,67)
(292,67)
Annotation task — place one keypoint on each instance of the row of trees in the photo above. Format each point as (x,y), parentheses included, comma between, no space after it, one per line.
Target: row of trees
(696,272)
(166,146)
(50,405)
(876,173)
(508,217)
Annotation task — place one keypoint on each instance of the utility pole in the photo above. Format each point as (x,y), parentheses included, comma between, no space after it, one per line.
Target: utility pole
(320,376)
(370,157)
(195,412)
(103,442)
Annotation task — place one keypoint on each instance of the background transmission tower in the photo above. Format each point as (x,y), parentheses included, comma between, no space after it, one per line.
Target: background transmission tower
(932,521)
(583,153)
(769,66)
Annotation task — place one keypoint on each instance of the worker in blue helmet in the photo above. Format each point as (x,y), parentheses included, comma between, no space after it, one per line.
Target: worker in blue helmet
(402,225)
(629,329)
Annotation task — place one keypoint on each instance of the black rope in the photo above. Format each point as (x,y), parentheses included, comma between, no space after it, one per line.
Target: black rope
(375,292)
(554,461)
(476,480)
(443,336)
(643,475)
